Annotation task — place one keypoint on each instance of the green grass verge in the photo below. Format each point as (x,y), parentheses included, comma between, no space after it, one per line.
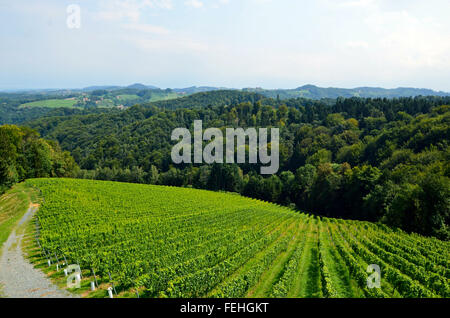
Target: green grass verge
(13,205)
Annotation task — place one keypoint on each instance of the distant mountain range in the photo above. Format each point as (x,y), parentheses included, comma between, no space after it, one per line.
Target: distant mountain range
(111,88)
(187,90)
(306,91)
(315,92)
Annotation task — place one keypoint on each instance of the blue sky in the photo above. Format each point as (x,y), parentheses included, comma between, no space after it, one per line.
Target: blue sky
(231,43)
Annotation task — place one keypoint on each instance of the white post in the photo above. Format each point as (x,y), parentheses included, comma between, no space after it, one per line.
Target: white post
(110,293)
(57,267)
(92,286)
(65,271)
(49,263)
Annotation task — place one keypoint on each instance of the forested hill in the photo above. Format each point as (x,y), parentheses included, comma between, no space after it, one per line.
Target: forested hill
(16,108)
(19,107)
(24,155)
(315,92)
(209,99)
(370,159)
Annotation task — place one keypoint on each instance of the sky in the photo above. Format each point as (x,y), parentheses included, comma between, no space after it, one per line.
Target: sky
(225,43)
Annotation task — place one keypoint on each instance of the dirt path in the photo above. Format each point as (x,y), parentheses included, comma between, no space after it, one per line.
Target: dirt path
(18,278)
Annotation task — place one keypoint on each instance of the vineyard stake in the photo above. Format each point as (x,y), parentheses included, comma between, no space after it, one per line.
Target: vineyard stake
(40,248)
(95,277)
(110,279)
(57,262)
(81,275)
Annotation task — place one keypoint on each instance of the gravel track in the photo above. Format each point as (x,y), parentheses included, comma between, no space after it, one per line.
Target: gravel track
(18,278)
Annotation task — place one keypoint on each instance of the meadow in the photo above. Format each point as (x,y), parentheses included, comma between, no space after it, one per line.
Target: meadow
(51,103)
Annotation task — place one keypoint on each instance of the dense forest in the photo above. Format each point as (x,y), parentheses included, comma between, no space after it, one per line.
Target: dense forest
(24,155)
(22,106)
(370,159)
(209,99)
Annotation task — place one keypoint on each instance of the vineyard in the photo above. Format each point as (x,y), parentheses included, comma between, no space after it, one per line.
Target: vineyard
(154,241)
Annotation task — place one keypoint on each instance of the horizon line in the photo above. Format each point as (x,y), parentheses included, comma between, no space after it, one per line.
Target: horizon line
(150,86)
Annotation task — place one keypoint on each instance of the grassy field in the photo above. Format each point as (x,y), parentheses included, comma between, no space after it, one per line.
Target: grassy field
(176,242)
(51,103)
(168,96)
(108,101)
(127,97)
(13,205)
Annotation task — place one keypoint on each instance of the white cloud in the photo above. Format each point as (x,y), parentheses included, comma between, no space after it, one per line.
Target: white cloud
(194,3)
(357,44)
(219,3)
(130,9)
(175,44)
(146,28)
(410,41)
(359,3)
